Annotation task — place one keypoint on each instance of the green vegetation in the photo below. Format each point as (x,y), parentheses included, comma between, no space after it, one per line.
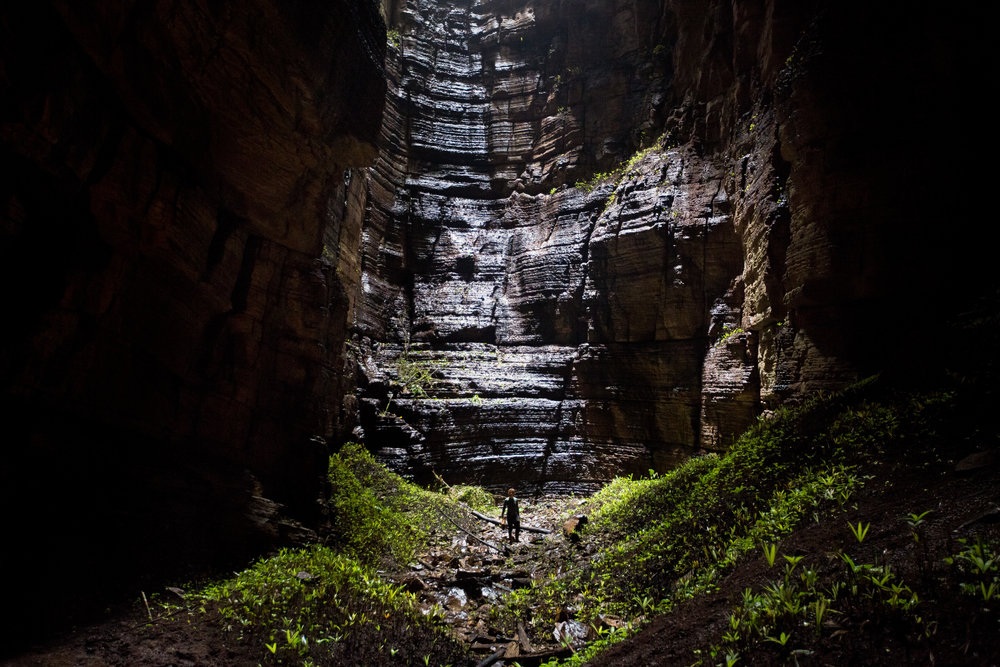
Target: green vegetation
(619,172)
(652,544)
(697,520)
(315,606)
(728,332)
(667,539)
(327,604)
(379,519)
(978,568)
(414,376)
(393,37)
(475,497)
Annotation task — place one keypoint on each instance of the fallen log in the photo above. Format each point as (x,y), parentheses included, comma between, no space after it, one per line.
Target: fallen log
(486,544)
(490,519)
(541,657)
(525,659)
(492,659)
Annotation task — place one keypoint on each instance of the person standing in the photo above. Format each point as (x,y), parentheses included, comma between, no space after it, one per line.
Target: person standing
(513,513)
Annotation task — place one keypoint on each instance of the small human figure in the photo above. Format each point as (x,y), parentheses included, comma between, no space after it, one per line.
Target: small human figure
(513,513)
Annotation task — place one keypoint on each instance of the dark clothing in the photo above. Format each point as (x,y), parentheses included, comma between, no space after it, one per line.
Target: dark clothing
(513,513)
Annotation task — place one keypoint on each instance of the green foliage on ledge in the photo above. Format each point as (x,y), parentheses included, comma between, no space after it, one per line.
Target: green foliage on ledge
(622,170)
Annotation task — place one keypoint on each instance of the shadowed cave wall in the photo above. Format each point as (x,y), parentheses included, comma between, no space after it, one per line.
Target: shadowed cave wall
(179,239)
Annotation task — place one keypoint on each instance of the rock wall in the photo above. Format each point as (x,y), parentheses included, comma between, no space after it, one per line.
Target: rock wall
(615,232)
(477,244)
(179,234)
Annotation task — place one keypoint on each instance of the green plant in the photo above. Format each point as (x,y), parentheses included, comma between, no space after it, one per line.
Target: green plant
(819,611)
(770,552)
(781,639)
(859,531)
(619,172)
(915,521)
(728,332)
(978,564)
(413,376)
(475,497)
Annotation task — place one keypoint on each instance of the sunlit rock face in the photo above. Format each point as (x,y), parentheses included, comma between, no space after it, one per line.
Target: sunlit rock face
(764,246)
(564,324)
(179,238)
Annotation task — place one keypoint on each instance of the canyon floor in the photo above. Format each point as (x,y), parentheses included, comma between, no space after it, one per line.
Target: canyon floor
(955,500)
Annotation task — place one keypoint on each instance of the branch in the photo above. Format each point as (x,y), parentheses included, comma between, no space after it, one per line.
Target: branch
(473,536)
(529,529)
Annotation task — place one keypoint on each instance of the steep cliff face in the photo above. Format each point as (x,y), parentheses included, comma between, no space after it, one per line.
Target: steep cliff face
(179,226)
(615,232)
(477,243)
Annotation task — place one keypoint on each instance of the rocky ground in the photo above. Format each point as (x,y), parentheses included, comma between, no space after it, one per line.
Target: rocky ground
(466,570)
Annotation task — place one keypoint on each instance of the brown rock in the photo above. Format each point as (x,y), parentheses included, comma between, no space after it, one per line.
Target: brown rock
(173,366)
(574,526)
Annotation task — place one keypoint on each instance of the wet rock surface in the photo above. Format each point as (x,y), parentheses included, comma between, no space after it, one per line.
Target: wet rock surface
(565,322)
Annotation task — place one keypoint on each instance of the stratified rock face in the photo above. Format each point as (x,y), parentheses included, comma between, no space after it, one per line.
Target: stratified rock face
(179,234)
(590,308)
(564,323)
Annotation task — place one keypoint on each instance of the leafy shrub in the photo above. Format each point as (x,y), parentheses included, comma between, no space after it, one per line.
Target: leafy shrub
(476,497)
(364,526)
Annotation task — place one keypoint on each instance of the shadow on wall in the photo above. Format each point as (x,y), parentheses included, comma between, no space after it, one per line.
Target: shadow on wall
(92,518)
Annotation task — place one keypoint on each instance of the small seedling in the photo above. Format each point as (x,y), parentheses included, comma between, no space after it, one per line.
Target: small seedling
(859,531)
(915,521)
(782,639)
(770,553)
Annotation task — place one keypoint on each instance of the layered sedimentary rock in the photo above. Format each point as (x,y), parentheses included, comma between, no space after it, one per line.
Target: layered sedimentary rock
(179,243)
(560,353)
(615,232)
